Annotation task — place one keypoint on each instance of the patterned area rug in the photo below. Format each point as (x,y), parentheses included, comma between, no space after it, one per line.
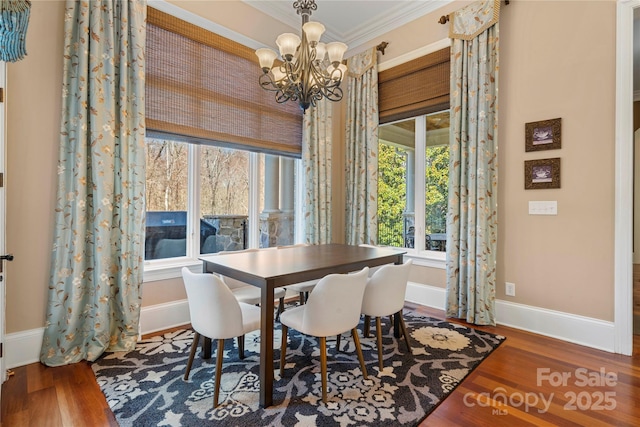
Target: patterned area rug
(145,387)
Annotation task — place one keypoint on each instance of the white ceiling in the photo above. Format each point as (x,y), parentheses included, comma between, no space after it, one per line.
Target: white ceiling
(353,22)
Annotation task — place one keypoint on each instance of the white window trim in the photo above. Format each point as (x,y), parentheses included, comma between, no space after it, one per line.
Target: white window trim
(170,268)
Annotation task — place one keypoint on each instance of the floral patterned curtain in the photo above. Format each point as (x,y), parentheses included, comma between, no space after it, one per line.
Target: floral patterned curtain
(97,260)
(473,170)
(362,149)
(316,158)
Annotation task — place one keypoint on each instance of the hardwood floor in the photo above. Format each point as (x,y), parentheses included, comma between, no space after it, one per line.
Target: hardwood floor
(595,382)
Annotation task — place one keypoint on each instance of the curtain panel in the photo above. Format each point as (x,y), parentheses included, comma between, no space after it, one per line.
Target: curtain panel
(316,161)
(362,149)
(97,259)
(473,169)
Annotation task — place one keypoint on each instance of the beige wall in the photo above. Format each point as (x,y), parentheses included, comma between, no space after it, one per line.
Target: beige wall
(553,63)
(556,60)
(33,115)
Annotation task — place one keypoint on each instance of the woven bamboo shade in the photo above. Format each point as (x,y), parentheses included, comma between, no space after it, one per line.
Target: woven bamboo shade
(414,88)
(203,88)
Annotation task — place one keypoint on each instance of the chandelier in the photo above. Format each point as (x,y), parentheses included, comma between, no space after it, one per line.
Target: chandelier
(310,70)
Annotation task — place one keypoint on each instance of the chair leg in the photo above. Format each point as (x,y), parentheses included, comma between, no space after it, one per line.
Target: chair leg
(356,340)
(404,332)
(280,308)
(303,300)
(241,347)
(367,326)
(192,353)
(219,357)
(338,342)
(283,349)
(379,338)
(323,367)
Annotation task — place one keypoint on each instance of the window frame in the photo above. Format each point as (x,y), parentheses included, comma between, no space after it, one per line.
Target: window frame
(419,253)
(169,268)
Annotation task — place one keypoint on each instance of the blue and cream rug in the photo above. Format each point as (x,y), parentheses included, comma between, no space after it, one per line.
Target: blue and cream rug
(145,387)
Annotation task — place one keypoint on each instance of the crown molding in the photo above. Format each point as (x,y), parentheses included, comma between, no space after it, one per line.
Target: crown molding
(396,16)
(192,18)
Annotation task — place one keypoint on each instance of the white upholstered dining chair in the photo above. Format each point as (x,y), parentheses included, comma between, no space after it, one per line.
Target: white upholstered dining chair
(384,296)
(216,314)
(332,308)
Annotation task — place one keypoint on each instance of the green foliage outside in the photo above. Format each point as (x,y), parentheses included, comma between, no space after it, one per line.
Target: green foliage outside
(392,192)
(437,182)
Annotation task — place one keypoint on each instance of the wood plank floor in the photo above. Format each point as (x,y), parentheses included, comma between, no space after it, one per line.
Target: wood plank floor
(69,396)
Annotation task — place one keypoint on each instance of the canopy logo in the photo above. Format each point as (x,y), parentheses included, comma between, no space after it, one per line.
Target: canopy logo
(501,400)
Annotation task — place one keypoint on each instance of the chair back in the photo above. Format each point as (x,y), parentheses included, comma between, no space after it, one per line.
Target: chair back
(334,305)
(386,289)
(215,312)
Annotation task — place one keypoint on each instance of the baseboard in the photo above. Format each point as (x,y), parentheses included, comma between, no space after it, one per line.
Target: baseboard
(159,317)
(22,348)
(568,327)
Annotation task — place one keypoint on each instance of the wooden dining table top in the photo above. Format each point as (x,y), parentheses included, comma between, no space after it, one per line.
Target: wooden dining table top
(294,264)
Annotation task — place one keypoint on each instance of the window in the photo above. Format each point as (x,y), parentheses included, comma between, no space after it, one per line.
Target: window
(166,197)
(224,199)
(413,169)
(220,152)
(205,199)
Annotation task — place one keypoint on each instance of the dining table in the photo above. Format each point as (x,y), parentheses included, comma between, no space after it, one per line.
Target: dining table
(271,269)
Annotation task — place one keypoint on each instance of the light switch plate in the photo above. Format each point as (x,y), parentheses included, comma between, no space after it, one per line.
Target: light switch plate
(539,207)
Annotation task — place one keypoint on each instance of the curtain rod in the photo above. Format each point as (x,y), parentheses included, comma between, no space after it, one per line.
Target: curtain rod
(445,18)
(382,46)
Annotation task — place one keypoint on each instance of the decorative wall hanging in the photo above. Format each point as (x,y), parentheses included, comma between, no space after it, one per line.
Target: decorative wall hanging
(543,135)
(542,173)
(14,20)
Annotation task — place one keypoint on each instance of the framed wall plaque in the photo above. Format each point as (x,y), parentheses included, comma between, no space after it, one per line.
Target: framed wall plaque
(542,173)
(543,135)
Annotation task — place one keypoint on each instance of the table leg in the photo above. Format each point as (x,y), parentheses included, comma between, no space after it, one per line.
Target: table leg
(266,346)
(206,348)
(396,318)
(206,342)
(396,325)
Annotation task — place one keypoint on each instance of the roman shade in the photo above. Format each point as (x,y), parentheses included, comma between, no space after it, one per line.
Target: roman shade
(417,87)
(203,88)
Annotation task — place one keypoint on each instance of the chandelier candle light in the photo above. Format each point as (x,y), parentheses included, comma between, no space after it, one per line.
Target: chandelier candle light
(310,70)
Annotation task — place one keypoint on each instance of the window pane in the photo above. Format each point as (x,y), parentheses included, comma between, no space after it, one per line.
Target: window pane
(224,199)
(396,151)
(436,180)
(166,193)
